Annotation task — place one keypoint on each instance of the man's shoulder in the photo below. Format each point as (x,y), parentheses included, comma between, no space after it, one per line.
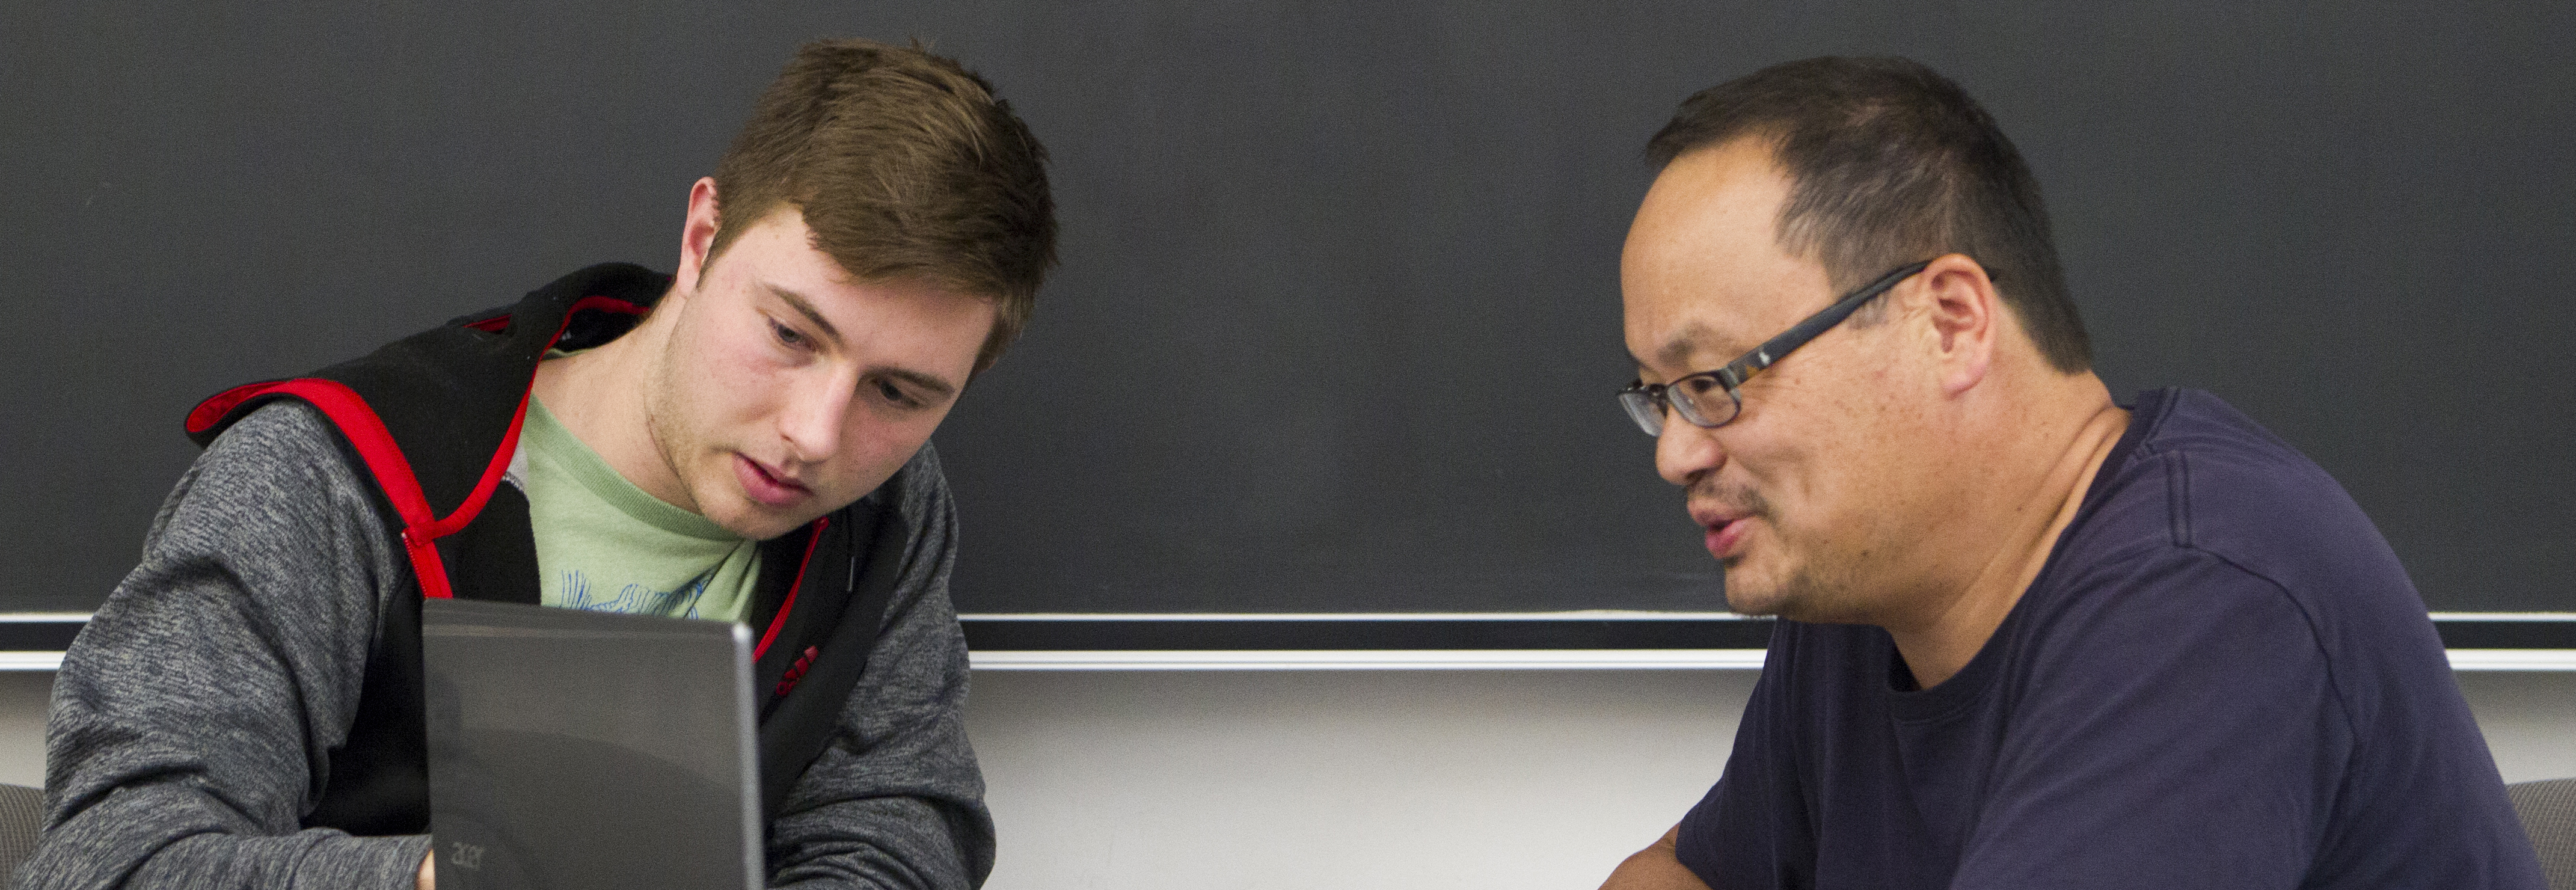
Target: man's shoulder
(285,423)
(920,476)
(2211,524)
(2201,480)
(918,491)
(283,436)
(2222,466)
(282,458)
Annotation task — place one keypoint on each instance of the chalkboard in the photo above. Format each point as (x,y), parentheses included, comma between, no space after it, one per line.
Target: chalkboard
(1337,324)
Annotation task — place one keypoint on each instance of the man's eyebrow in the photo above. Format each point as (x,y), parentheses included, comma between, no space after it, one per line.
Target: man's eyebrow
(1691,338)
(931,382)
(805,308)
(936,386)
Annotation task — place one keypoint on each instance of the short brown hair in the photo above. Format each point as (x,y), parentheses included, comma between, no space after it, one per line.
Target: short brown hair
(1891,163)
(903,164)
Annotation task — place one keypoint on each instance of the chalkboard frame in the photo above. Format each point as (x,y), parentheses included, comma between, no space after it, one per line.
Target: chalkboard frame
(2476,641)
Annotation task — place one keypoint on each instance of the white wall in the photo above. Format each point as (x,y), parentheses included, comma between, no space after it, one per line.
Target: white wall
(1374,779)
(1332,779)
(22,726)
(2529,719)
(1349,780)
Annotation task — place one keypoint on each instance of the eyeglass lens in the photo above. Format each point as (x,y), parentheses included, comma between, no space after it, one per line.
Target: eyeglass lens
(1701,399)
(1646,410)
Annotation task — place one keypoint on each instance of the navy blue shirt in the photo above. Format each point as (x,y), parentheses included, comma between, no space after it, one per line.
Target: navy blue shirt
(2221,678)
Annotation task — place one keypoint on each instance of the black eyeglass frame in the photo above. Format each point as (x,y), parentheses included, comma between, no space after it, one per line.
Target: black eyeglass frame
(1646,402)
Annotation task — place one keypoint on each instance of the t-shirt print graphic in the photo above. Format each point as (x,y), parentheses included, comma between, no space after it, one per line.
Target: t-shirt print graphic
(635,599)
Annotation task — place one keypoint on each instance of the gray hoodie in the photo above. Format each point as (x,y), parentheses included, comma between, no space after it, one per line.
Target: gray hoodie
(193,718)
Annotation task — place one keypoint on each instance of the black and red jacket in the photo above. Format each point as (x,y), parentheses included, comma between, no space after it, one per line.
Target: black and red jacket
(433,420)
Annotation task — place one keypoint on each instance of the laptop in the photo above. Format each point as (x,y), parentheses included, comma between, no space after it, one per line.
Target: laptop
(572,750)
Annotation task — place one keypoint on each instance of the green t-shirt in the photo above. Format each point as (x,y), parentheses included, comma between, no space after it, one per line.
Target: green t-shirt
(603,544)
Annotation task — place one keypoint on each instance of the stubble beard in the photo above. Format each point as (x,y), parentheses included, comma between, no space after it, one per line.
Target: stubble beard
(1800,592)
(661,413)
(1798,595)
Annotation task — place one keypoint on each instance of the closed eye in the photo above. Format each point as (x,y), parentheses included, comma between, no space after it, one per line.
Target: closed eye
(894,395)
(790,337)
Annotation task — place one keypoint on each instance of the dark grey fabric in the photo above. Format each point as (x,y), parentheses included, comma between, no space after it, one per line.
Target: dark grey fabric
(22,815)
(2548,811)
(194,717)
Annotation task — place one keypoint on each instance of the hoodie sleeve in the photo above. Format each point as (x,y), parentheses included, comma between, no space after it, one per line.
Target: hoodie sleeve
(896,800)
(192,717)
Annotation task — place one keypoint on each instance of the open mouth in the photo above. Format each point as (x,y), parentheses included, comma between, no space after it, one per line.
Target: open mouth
(1725,526)
(1724,537)
(766,486)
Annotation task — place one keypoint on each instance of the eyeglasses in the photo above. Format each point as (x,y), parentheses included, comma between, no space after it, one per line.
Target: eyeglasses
(1695,396)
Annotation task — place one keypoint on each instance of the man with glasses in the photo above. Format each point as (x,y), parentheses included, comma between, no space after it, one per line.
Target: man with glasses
(2029,637)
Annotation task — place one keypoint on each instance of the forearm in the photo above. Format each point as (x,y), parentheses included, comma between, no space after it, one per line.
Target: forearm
(158,837)
(1655,868)
(896,801)
(892,843)
(147,815)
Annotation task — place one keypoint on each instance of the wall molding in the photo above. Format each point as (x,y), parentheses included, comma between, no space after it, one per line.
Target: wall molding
(2476,641)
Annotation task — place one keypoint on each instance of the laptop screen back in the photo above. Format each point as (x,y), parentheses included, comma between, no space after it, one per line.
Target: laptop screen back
(572,750)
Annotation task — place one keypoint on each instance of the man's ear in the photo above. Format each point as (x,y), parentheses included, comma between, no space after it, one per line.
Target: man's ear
(1966,317)
(697,234)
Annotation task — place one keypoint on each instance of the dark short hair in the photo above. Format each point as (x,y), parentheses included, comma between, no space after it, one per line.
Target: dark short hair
(903,164)
(1891,163)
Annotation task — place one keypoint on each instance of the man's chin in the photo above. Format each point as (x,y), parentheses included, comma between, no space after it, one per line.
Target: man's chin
(1752,605)
(748,520)
(1749,593)
(1798,595)
(765,530)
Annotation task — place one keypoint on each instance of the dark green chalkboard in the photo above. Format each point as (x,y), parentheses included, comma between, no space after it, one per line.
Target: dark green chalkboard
(1337,323)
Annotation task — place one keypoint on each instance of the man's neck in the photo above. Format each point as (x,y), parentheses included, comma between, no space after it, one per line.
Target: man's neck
(2017,516)
(599,396)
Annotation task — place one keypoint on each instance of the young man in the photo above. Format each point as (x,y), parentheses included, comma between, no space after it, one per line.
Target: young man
(2028,637)
(745,440)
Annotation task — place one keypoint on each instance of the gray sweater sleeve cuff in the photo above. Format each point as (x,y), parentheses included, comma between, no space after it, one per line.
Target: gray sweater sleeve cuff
(319,859)
(208,852)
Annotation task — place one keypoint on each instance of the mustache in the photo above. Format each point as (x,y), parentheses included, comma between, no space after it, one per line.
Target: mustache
(1737,498)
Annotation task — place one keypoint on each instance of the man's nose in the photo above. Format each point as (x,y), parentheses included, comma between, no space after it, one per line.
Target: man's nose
(814,415)
(1685,451)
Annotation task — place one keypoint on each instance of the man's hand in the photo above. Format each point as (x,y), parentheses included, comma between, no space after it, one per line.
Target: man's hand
(1654,868)
(428,879)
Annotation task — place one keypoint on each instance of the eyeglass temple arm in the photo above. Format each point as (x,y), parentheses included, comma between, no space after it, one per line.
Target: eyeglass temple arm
(1743,369)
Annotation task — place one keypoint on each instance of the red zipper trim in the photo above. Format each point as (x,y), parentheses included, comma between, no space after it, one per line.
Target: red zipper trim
(780,620)
(500,465)
(384,459)
(366,432)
